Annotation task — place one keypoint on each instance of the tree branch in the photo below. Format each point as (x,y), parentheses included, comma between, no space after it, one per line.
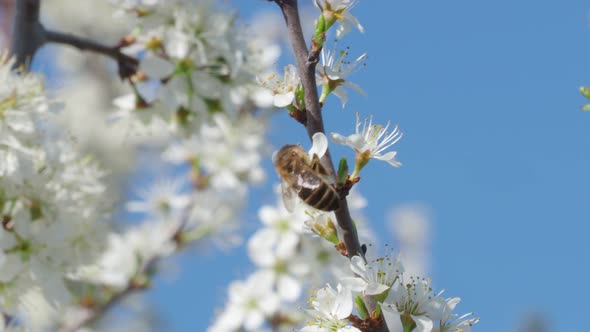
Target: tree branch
(85,44)
(28,33)
(127,64)
(306,64)
(315,123)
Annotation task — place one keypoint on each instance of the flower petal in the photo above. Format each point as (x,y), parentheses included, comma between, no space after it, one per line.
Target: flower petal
(319,146)
(389,157)
(355,284)
(357,142)
(283,99)
(423,323)
(342,94)
(343,304)
(358,266)
(391,316)
(338,139)
(288,288)
(374,288)
(155,67)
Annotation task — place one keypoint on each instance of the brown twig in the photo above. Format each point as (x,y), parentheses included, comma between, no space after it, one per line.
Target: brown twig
(94,313)
(127,64)
(29,35)
(306,64)
(314,122)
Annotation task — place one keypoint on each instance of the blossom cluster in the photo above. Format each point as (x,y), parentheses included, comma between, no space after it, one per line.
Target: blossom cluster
(198,94)
(202,85)
(51,197)
(195,61)
(402,301)
(406,303)
(291,258)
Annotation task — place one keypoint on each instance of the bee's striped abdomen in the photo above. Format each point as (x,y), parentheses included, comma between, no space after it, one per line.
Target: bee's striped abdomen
(323,198)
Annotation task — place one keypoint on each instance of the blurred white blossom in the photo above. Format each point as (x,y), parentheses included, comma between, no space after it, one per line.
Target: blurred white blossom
(164,198)
(410,225)
(250,303)
(51,197)
(199,60)
(128,254)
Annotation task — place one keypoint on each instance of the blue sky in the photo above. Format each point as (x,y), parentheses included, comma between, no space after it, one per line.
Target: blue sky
(486,93)
(495,144)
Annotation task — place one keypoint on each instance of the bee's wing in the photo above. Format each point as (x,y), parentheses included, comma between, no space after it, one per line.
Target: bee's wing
(289,196)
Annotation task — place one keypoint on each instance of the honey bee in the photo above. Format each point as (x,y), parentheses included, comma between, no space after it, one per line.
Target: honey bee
(305,179)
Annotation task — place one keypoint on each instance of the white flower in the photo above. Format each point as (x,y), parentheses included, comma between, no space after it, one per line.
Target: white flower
(288,272)
(375,277)
(232,150)
(279,238)
(214,214)
(200,62)
(449,322)
(163,198)
(323,224)
(331,309)
(53,198)
(371,141)
(283,91)
(128,254)
(411,303)
(333,74)
(250,303)
(229,150)
(340,10)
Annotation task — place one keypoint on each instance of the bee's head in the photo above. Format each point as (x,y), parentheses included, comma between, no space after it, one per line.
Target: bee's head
(287,154)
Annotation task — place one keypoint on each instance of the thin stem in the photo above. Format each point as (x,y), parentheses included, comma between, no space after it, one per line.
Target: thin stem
(306,64)
(314,122)
(95,313)
(85,44)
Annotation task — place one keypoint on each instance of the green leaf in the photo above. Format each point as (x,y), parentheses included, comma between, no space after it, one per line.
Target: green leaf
(300,97)
(342,170)
(360,307)
(320,32)
(585,91)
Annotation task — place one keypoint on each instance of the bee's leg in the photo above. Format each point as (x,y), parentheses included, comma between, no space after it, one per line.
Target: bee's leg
(341,190)
(317,166)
